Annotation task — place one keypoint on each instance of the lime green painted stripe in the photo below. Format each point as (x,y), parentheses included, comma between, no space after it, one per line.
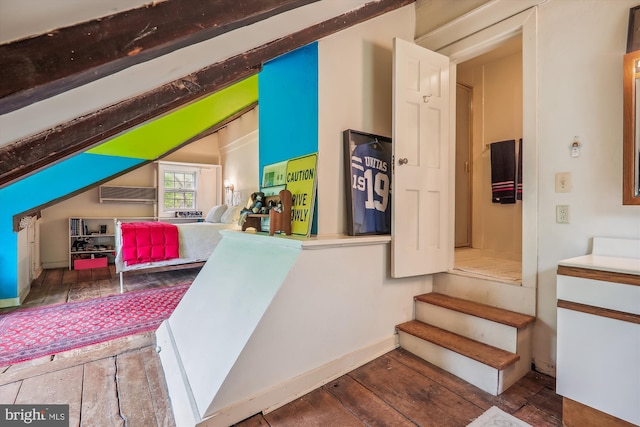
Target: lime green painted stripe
(154,138)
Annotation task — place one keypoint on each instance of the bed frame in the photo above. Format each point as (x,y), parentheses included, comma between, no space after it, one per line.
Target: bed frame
(197,242)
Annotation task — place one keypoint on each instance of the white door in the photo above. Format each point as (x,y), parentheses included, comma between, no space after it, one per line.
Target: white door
(421,192)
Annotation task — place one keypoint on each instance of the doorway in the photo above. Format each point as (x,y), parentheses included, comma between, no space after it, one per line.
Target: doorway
(489,108)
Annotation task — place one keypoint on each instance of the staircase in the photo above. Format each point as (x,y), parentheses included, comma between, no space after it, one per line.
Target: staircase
(486,346)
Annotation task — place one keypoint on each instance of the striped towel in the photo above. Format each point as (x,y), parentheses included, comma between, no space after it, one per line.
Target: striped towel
(503,172)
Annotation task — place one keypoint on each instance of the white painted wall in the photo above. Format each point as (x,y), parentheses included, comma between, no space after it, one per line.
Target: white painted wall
(581,45)
(24,18)
(431,14)
(205,150)
(239,155)
(354,92)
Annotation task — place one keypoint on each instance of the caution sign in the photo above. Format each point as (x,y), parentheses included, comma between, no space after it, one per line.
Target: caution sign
(301,181)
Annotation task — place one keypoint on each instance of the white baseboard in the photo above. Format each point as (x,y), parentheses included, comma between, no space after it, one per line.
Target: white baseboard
(9,302)
(280,394)
(55,264)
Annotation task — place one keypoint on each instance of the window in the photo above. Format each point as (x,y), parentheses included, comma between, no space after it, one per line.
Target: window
(189,187)
(179,188)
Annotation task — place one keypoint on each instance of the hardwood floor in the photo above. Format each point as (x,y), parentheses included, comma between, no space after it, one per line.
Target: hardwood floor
(117,383)
(62,285)
(400,389)
(121,382)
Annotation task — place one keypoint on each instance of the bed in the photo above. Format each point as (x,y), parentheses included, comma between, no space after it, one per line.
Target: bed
(195,240)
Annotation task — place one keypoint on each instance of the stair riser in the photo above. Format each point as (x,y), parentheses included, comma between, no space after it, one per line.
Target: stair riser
(482,376)
(510,297)
(475,328)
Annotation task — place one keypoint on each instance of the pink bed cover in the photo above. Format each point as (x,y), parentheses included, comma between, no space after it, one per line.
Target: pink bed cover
(149,242)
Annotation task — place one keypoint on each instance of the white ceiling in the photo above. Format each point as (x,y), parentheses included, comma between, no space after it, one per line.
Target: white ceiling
(24,18)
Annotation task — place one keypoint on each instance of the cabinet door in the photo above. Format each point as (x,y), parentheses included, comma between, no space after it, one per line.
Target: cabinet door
(598,363)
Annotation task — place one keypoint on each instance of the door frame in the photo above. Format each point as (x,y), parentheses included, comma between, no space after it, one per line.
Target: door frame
(459,42)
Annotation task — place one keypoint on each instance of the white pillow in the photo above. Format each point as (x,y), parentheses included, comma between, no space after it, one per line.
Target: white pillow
(215,213)
(231,215)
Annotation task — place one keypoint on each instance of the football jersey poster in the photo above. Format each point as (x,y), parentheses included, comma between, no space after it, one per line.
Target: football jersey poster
(368,179)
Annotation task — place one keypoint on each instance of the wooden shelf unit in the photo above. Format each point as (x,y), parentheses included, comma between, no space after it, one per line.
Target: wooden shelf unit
(89,246)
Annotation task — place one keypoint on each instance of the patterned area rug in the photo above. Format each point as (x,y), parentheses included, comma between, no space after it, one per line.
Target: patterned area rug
(495,417)
(42,331)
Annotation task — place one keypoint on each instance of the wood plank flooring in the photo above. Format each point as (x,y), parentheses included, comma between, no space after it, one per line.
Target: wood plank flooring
(121,383)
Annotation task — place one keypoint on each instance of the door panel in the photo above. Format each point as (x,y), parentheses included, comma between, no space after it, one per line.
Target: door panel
(420,183)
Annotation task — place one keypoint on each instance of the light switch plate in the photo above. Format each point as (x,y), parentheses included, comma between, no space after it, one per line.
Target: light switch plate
(563,182)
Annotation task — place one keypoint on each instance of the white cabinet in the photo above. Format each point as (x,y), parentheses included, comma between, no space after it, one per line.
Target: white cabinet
(598,360)
(91,242)
(28,259)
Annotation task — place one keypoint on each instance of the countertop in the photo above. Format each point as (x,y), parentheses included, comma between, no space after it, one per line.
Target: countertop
(604,263)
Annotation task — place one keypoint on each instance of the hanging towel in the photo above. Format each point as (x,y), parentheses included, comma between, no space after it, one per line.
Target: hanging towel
(503,172)
(519,175)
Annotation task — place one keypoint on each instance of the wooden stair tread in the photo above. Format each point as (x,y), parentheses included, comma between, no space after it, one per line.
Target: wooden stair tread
(483,353)
(495,314)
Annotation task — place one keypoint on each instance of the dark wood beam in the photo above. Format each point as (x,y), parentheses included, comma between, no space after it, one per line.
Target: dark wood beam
(35,152)
(42,66)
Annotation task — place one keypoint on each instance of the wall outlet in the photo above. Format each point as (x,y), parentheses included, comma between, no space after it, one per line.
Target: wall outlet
(562,214)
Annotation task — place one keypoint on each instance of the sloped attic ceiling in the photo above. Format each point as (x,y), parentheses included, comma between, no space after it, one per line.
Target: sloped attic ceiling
(44,65)
(37,68)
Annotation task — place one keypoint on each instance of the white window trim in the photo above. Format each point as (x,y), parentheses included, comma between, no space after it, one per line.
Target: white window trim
(177,167)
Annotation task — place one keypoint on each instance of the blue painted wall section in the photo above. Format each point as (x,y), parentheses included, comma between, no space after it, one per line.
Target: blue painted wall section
(48,185)
(288,96)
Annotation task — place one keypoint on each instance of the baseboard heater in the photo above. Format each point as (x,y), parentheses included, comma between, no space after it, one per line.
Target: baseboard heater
(128,194)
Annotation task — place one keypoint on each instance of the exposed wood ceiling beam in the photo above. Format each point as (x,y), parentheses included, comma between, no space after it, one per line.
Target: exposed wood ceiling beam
(42,66)
(36,152)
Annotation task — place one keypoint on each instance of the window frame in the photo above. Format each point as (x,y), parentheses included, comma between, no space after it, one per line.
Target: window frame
(175,167)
